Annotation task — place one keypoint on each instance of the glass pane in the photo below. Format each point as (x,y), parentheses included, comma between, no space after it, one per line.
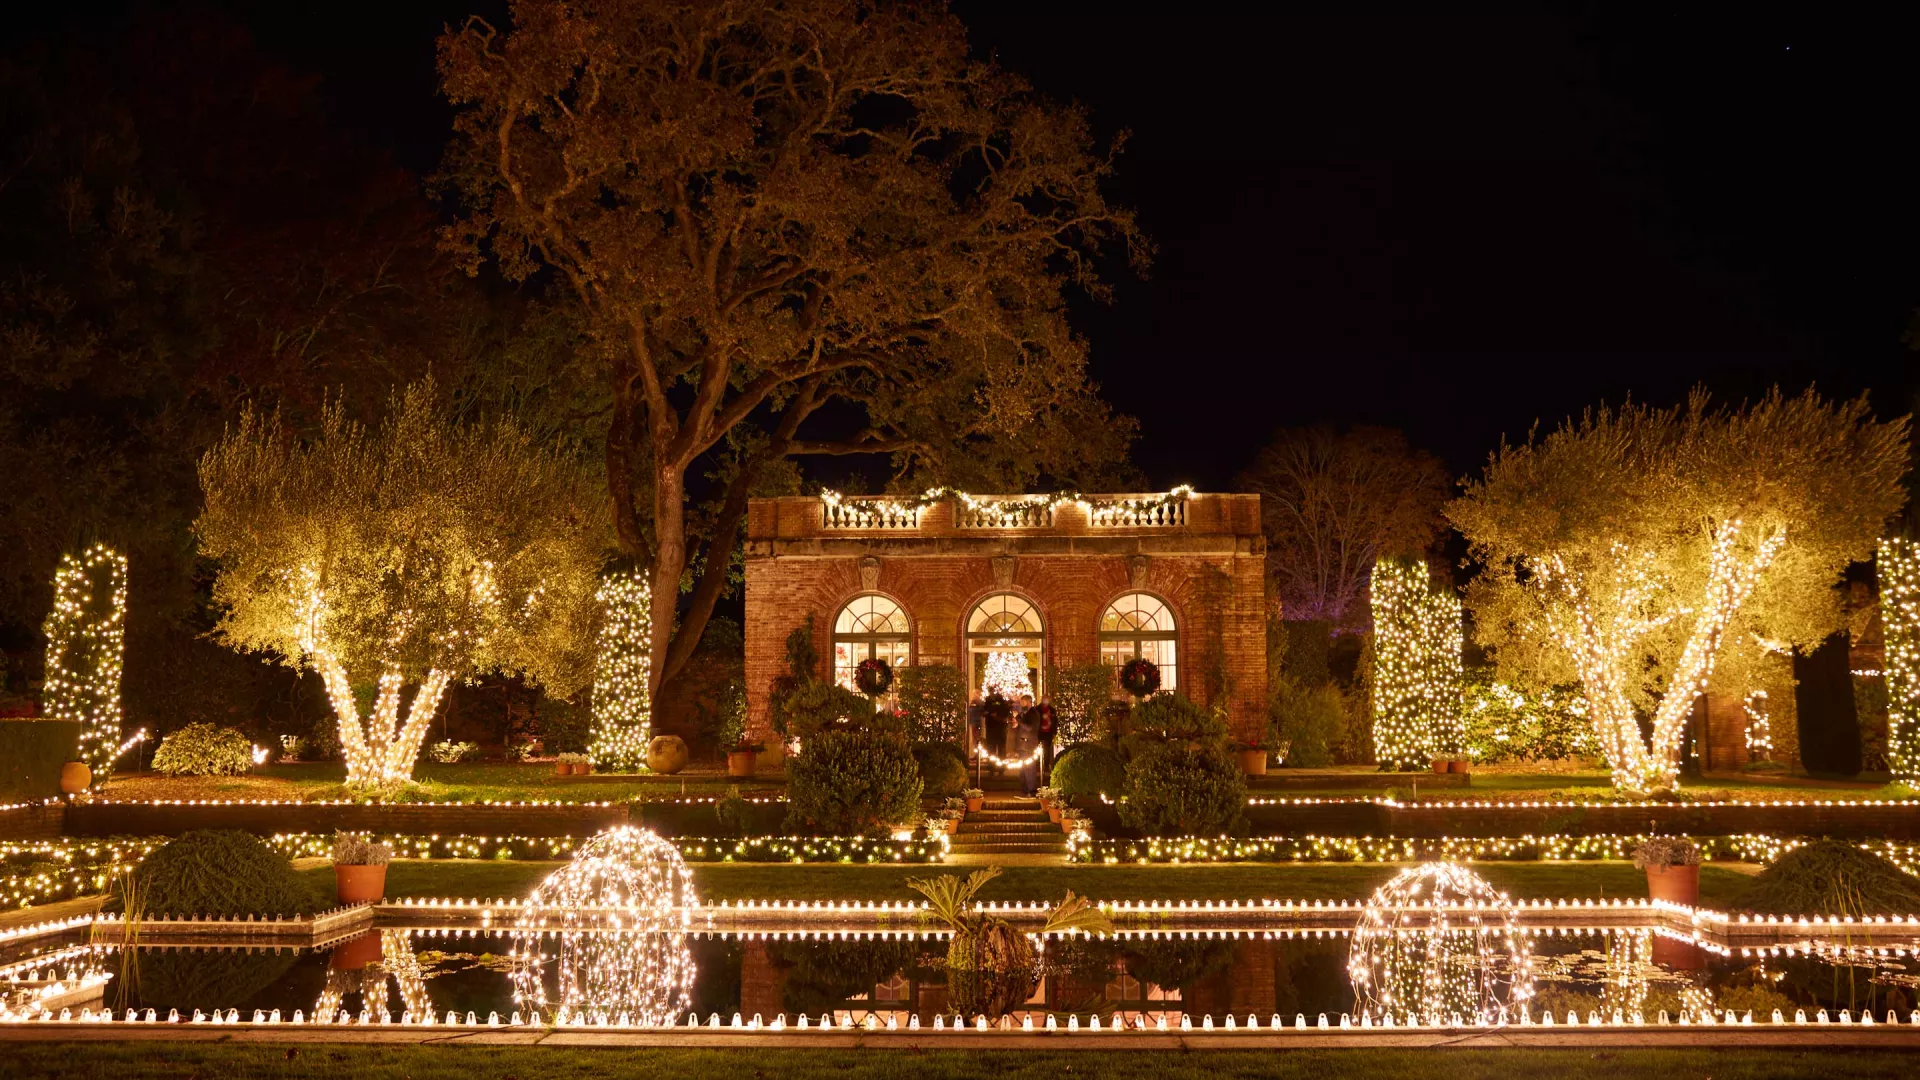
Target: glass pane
(1004,613)
(871,615)
(1137,611)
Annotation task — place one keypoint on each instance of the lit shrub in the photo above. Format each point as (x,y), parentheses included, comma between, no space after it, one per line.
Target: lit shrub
(204,750)
(1174,789)
(852,783)
(1089,769)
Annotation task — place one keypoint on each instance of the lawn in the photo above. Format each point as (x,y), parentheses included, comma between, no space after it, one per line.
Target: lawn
(160,1061)
(482,782)
(487,879)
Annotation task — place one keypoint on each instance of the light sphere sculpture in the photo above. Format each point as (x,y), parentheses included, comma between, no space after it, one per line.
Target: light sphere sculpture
(1438,945)
(612,927)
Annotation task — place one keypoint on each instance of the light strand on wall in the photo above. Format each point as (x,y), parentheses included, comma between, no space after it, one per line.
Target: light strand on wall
(622,674)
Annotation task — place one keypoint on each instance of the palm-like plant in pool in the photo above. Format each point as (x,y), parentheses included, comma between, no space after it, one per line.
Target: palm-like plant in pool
(990,962)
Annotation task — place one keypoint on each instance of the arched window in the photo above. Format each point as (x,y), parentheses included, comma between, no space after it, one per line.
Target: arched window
(1005,643)
(1139,625)
(869,627)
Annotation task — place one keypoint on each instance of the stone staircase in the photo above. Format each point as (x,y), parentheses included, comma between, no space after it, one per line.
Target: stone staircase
(1009,825)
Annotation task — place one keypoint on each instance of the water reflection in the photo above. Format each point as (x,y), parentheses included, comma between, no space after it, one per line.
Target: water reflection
(366,965)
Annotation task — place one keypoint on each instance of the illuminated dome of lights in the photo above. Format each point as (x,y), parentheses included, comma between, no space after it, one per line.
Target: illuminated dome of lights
(1438,945)
(604,938)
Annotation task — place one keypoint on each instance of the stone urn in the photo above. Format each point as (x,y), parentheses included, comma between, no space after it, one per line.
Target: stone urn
(359,884)
(1254,762)
(667,754)
(1677,884)
(741,762)
(74,777)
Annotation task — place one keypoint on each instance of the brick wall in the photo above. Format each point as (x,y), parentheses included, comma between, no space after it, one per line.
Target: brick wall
(1209,572)
(41,822)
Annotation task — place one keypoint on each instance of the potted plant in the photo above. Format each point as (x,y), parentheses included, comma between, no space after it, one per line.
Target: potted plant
(1050,799)
(1672,864)
(359,868)
(743,757)
(976,799)
(953,820)
(563,764)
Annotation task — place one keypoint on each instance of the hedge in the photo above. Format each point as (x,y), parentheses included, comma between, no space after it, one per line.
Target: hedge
(31,753)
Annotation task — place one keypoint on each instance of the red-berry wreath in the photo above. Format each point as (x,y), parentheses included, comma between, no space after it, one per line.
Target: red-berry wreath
(1140,677)
(874,677)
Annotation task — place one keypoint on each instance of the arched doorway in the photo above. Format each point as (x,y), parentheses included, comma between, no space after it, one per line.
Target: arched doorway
(1006,647)
(1140,625)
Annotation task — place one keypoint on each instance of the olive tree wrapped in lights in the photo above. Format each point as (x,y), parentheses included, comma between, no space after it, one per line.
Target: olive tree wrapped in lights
(1417,675)
(86,646)
(1635,549)
(414,553)
(622,692)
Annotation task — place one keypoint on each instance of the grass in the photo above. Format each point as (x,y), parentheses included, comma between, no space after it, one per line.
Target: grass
(484,782)
(486,879)
(177,1061)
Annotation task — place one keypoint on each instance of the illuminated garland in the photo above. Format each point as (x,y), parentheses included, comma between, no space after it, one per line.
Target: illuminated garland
(622,690)
(1899,572)
(42,871)
(982,753)
(1417,674)
(1003,512)
(758,849)
(1744,847)
(86,647)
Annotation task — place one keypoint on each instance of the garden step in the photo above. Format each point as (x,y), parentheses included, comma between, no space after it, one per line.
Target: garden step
(1041,826)
(1007,815)
(1013,804)
(1010,849)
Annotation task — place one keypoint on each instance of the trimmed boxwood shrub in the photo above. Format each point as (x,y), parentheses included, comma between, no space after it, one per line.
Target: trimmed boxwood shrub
(1832,877)
(1178,790)
(204,750)
(31,753)
(852,783)
(943,771)
(1089,769)
(218,872)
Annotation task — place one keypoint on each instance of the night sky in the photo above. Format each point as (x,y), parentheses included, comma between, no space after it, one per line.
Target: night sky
(1452,226)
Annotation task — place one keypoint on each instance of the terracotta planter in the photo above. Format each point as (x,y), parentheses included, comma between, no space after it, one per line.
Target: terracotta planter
(563,768)
(583,768)
(953,826)
(1459,765)
(359,884)
(1678,884)
(1053,814)
(74,777)
(741,762)
(974,805)
(1440,765)
(356,953)
(1253,762)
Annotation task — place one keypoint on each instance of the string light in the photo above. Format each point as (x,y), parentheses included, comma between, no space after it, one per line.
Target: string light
(86,647)
(982,753)
(1898,569)
(619,914)
(1004,512)
(1603,645)
(1759,725)
(1417,673)
(622,689)
(1441,944)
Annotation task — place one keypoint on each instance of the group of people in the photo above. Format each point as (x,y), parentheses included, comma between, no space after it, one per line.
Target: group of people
(1018,731)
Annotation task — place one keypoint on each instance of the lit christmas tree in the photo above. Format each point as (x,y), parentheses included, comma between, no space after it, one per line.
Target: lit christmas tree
(1006,675)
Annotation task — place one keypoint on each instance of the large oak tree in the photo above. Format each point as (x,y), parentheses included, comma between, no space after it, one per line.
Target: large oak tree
(788,229)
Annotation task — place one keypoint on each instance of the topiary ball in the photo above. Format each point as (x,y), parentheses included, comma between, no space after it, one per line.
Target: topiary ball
(1089,769)
(217,872)
(943,769)
(1140,677)
(667,754)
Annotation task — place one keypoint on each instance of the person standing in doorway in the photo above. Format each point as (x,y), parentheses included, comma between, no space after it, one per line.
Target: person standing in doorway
(1026,744)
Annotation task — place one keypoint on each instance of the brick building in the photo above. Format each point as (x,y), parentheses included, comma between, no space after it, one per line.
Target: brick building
(1015,584)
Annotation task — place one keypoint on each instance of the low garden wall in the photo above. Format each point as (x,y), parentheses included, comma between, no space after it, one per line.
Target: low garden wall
(1842,820)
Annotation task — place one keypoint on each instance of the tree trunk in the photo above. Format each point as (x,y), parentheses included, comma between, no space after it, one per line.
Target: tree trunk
(669,562)
(380,752)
